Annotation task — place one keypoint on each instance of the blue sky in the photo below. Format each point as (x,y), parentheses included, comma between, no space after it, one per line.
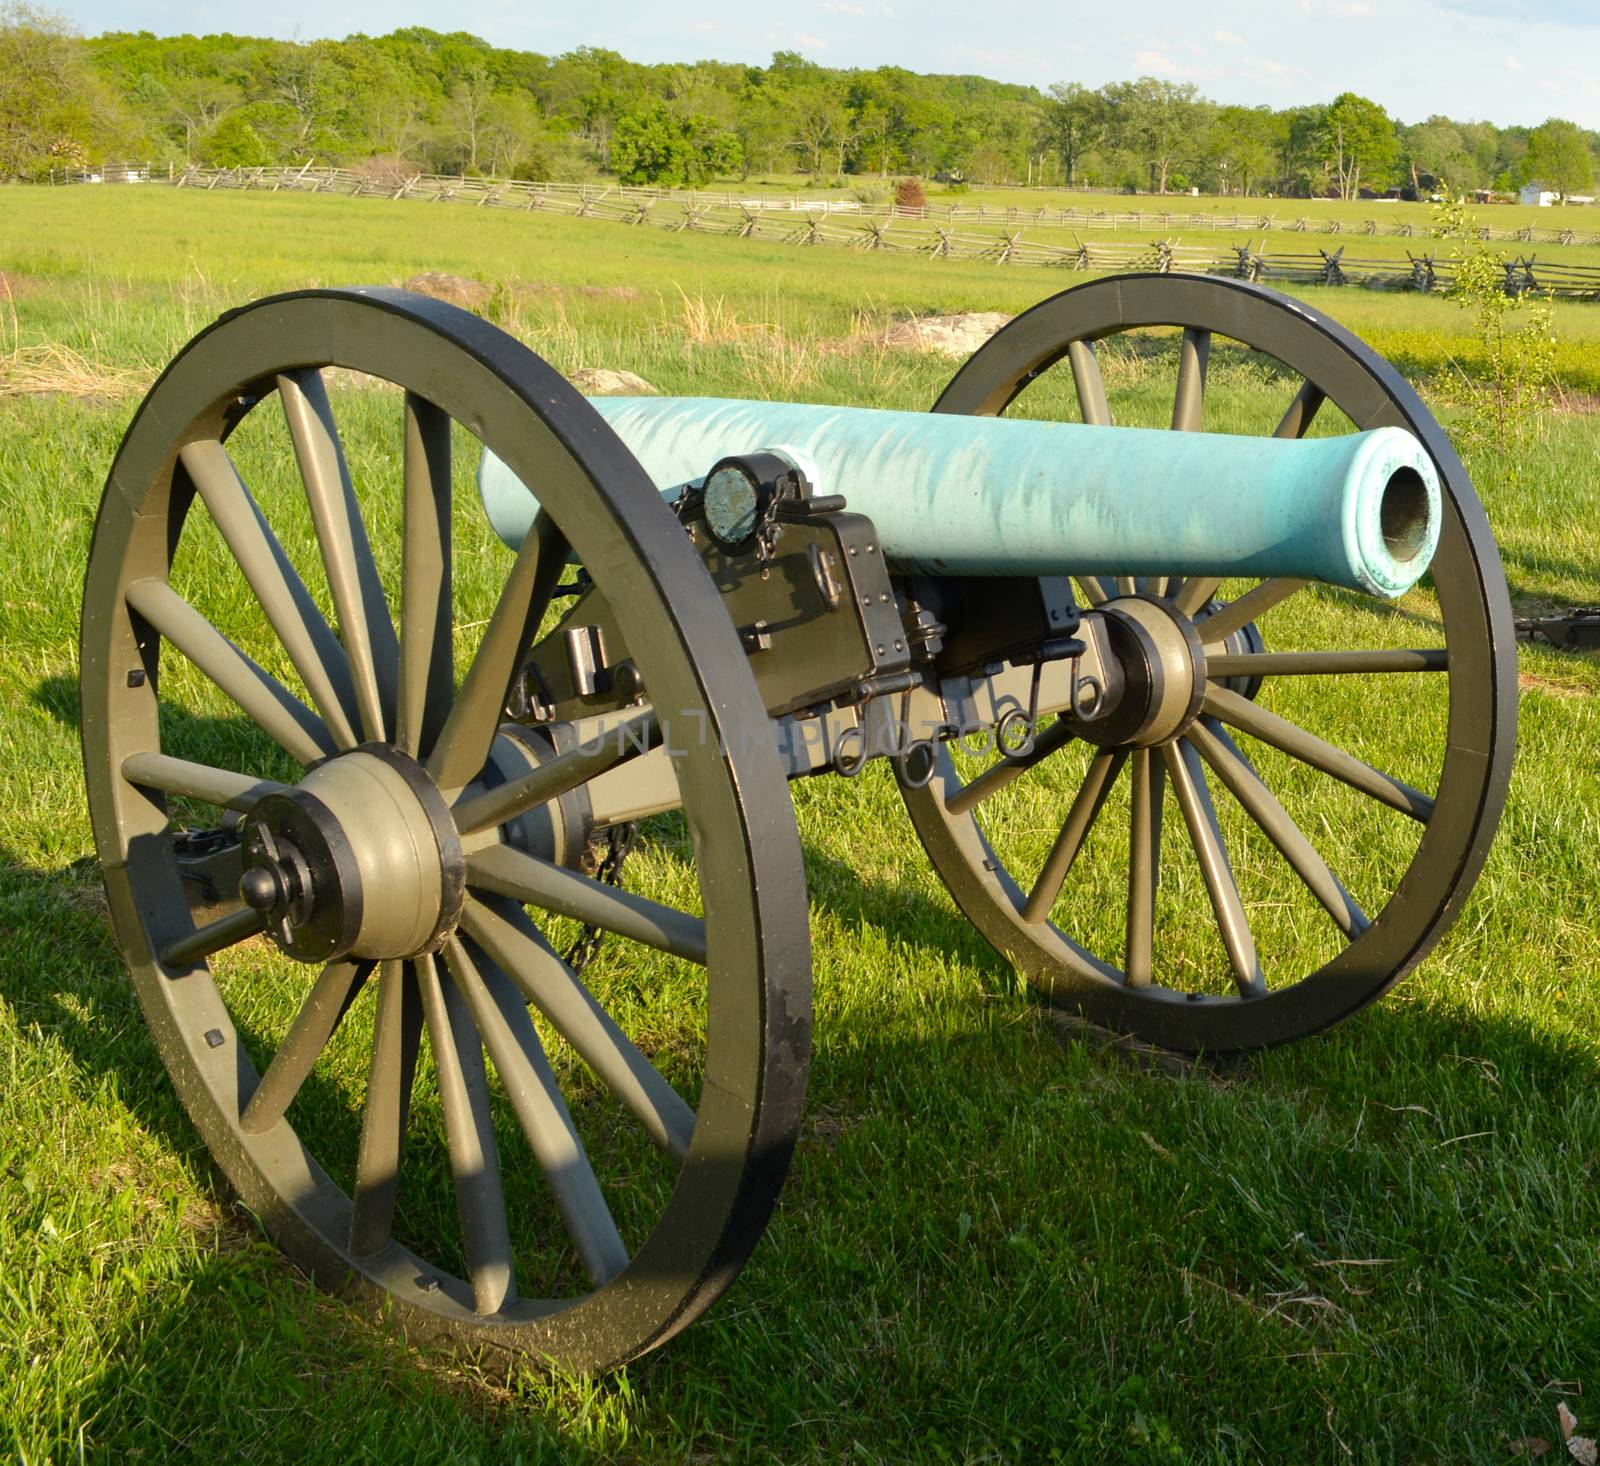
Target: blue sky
(1503,60)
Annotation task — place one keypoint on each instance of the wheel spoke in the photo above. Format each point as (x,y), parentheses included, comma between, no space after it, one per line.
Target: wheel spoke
(287,604)
(1194,800)
(1327,664)
(469,1129)
(1090,385)
(463,744)
(427,678)
(511,940)
(1144,866)
(1102,774)
(564,772)
(997,776)
(1259,802)
(1256,602)
(397,1034)
(1297,418)
(1189,401)
(1239,712)
(364,623)
(1095,410)
(331,996)
(1195,592)
(531,881)
(530,1085)
(283,717)
(207,941)
(221,787)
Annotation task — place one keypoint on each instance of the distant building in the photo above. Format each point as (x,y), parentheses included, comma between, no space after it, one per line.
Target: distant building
(1536,195)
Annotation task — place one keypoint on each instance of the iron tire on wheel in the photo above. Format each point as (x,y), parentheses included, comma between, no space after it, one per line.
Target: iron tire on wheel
(734,1148)
(1475,613)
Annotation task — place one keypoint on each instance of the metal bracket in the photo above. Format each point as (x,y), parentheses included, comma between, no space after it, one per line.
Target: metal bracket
(1577,630)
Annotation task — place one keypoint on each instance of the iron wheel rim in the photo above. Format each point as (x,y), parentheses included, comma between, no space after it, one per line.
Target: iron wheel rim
(1474,610)
(734,793)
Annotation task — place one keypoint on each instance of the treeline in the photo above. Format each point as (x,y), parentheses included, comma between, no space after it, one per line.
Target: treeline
(421,101)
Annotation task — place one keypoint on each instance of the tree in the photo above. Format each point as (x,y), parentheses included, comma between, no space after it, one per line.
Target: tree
(1558,155)
(758,125)
(1358,138)
(1240,147)
(653,144)
(908,195)
(514,134)
(467,112)
(1434,152)
(1158,122)
(1074,119)
(197,104)
(821,125)
(51,104)
(233,143)
(305,90)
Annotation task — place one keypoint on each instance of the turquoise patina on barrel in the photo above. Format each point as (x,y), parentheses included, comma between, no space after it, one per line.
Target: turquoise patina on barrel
(953,495)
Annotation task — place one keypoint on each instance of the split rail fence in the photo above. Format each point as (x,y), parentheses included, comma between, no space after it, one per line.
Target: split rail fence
(934,232)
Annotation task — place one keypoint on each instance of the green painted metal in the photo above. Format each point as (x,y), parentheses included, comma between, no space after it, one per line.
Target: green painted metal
(997,496)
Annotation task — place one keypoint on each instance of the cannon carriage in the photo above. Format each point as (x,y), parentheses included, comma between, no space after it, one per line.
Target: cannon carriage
(1041,628)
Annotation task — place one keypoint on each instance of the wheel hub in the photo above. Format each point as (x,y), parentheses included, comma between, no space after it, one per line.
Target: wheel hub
(360,859)
(1156,666)
(1158,659)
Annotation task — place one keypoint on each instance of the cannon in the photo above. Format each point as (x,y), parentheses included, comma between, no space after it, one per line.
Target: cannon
(1166,731)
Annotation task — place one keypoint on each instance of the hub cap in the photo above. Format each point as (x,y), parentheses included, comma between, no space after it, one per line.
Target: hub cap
(360,859)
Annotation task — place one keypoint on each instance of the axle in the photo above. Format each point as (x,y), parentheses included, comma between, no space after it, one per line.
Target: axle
(955,495)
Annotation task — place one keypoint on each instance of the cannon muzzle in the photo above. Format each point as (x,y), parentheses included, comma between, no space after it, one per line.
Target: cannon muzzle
(954,495)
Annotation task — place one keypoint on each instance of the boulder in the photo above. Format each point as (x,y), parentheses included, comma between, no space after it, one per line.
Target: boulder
(603,382)
(958,335)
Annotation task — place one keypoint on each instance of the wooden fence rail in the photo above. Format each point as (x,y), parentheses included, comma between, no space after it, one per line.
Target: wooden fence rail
(366,182)
(800,220)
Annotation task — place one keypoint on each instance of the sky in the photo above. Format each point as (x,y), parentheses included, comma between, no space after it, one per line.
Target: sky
(1503,61)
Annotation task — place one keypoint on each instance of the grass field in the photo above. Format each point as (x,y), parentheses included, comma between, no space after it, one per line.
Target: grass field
(1001,1239)
(1286,210)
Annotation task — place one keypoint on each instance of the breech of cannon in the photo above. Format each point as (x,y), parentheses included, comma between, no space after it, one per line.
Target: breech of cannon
(954,495)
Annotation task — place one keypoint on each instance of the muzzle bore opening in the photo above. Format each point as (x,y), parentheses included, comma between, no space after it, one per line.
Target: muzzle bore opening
(1403,515)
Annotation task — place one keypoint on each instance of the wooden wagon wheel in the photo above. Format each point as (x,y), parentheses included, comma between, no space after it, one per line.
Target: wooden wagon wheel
(1032,915)
(399,838)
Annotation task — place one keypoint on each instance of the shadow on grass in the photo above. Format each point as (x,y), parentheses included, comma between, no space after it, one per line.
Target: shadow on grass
(1017,1214)
(1531,570)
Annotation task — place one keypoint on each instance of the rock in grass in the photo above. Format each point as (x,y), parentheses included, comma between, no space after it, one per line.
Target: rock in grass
(958,335)
(603,382)
(453,289)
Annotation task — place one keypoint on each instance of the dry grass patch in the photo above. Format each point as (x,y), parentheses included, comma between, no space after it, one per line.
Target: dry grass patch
(53,370)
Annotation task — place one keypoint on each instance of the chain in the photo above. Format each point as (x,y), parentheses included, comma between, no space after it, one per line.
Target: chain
(619,841)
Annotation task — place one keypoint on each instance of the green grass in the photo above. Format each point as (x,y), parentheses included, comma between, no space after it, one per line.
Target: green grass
(1000,1240)
(1285,210)
(148,269)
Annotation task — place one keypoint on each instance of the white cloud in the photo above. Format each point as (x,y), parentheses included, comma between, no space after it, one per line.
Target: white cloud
(977,56)
(1227,38)
(1266,66)
(1154,63)
(841,7)
(1512,64)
